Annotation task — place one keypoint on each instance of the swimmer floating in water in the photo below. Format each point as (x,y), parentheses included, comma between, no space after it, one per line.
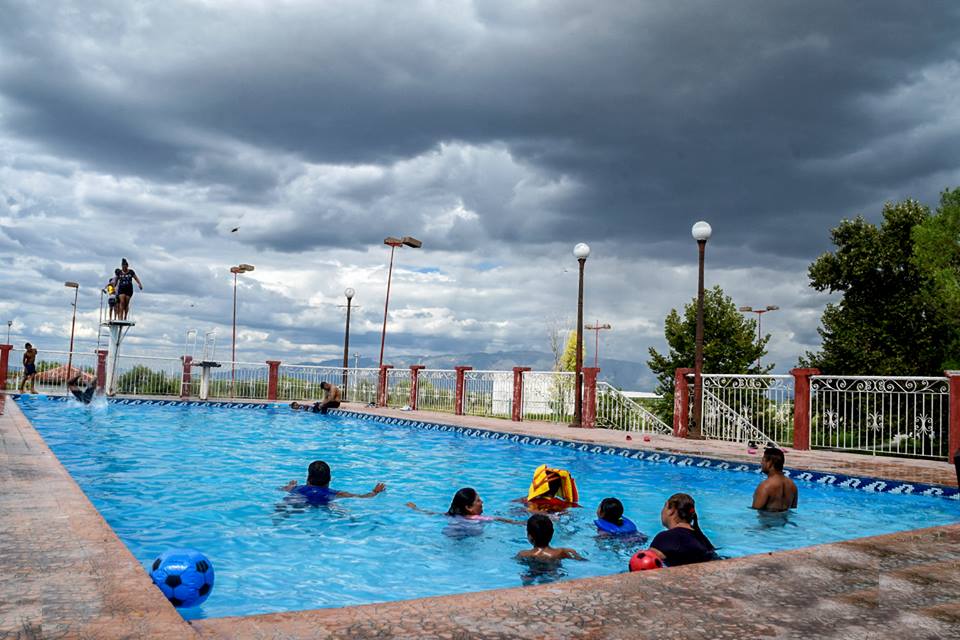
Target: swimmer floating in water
(85,395)
(318,491)
(467,504)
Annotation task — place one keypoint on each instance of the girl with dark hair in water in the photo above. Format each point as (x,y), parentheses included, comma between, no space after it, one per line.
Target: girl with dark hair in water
(683,542)
(468,504)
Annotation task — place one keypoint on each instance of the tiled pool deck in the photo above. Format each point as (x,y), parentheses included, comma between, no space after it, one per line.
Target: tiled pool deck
(66,575)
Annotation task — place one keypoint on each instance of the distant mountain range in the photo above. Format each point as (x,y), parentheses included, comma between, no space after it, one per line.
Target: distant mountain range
(629,376)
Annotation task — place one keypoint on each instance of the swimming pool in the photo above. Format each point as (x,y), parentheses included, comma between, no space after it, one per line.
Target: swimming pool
(207,477)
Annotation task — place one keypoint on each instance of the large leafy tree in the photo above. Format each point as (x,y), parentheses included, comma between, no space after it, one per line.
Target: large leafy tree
(889,320)
(729,343)
(936,252)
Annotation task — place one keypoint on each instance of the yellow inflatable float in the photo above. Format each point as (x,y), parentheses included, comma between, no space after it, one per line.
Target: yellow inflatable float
(552,489)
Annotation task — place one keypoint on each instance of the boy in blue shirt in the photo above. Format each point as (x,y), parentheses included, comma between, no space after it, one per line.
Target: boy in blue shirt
(318,491)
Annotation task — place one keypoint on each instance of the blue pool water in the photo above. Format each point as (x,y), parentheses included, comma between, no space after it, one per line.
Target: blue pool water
(208,478)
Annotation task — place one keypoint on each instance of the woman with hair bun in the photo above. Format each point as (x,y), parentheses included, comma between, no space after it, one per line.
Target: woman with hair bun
(683,542)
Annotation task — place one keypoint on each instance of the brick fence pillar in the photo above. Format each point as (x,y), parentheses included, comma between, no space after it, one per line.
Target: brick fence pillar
(801,407)
(101,371)
(953,440)
(4,364)
(273,378)
(458,400)
(382,385)
(681,402)
(186,376)
(517,410)
(588,419)
(415,384)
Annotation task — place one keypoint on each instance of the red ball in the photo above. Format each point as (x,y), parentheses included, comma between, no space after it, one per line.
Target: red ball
(645,560)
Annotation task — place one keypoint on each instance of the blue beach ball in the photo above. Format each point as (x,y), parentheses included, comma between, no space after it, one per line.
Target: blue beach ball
(184,575)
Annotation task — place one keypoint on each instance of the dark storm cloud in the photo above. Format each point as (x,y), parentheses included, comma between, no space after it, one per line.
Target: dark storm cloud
(735,112)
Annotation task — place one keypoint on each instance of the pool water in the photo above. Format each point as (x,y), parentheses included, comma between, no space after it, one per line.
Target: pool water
(209,478)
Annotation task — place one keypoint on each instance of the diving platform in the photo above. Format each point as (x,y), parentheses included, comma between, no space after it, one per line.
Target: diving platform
(118,331)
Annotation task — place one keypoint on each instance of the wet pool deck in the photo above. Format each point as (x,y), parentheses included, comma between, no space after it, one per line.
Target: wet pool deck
(66,575)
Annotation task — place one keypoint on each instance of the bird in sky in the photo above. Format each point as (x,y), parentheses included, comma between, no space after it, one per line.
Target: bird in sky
(234,230)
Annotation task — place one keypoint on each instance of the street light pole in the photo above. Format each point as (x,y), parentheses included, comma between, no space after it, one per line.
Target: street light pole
(701,233)
(597,328)
(759,312)
(73,324)
(580,252)
(240,268)
(349,293)
(393,243)
(9,324)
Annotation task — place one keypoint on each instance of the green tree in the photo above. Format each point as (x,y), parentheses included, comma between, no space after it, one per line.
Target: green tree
(568,361)
(936,252)
(889,320)
(729,344)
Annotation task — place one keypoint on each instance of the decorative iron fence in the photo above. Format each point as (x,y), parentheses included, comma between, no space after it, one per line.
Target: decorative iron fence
(437,390)
(617,411)
(398,387)
(52,372)
(548,396)
(893,415)
(302,382)
(148,376)
(488,393)
(743,408)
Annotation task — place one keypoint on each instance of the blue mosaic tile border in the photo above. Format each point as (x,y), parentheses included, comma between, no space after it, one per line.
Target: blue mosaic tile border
(860,483)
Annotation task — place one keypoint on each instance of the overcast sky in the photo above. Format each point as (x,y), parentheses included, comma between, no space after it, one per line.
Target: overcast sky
(499,133)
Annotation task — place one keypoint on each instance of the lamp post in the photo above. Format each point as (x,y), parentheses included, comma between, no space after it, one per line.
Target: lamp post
(240,268)
(9,324)
(580,252)
(393,243)
(73,323)
(759,312)
(701,233)
(597,328)
(349,293)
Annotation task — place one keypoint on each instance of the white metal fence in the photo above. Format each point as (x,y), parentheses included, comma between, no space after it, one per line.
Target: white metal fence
(52,372)
(617,411)
(548,396)
(302,382)
(743,408)
(148,376)
(488,393)
(398,387)
(895,415)
(436,390)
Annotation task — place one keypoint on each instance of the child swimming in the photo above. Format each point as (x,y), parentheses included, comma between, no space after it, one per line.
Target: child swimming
(540,533)
(318,491)
(610,519)
(467,504)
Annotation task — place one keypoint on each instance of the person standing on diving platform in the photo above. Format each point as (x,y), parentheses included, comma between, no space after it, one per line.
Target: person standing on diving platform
(125,288)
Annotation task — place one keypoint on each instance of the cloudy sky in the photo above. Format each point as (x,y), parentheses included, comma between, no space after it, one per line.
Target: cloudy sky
(500,133)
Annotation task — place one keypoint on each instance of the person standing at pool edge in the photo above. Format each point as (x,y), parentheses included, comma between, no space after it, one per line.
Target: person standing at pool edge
(777,492)
(125,288)
(29,368)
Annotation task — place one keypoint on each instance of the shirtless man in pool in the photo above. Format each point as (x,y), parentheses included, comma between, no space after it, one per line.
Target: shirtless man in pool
(777,492)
